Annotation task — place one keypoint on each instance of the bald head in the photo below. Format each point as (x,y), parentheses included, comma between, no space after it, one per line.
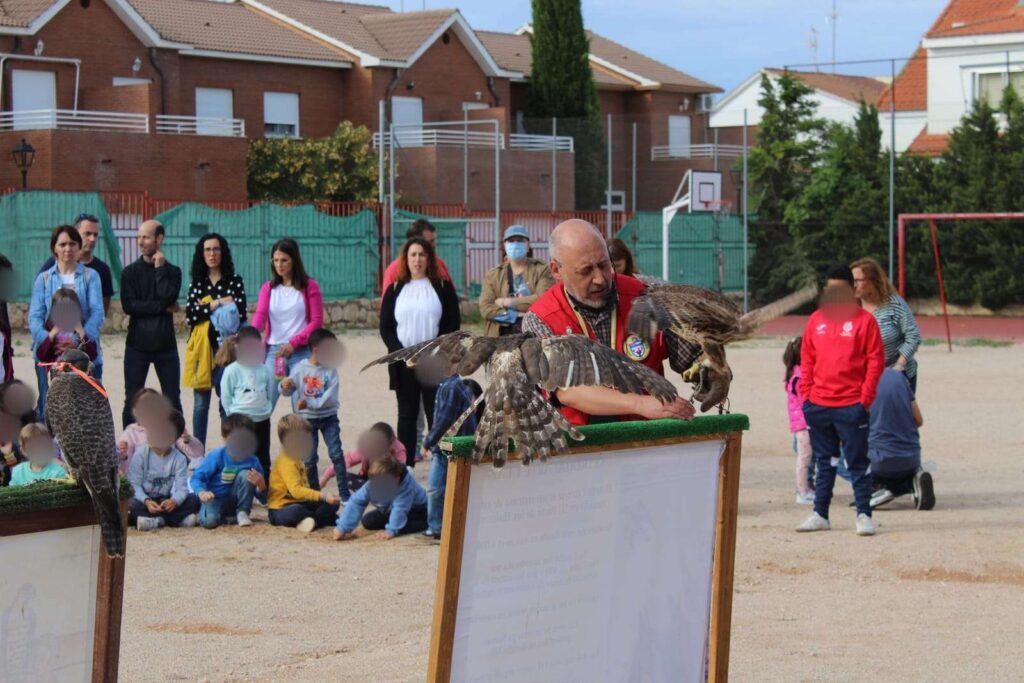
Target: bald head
(151,238)
(579,259)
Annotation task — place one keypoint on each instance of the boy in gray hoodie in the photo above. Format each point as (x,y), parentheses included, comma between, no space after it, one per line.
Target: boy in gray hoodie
(159,474)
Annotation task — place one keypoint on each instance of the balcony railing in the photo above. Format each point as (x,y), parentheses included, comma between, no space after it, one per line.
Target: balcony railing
(431,137)
(199,125)
(37,119)
(672,152)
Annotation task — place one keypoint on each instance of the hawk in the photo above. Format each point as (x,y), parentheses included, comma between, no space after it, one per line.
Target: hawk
(705,317)
(79,417)
(519,366)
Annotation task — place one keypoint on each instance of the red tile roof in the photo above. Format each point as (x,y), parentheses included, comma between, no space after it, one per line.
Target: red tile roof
(852,88)
(928,144)
(978,17)
(21,13)
(911,85)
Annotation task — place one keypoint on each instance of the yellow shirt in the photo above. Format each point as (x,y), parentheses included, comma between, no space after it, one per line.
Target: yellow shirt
(289,484)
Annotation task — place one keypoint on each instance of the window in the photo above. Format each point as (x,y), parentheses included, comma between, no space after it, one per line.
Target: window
(214,111)
(991,85)
(280,115)
(34,99)
(407,117)
(679,136)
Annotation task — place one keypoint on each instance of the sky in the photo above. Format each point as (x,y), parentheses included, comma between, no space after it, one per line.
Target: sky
(725,41)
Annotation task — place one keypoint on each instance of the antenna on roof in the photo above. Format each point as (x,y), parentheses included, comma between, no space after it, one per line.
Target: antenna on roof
(812,43)
(833,18)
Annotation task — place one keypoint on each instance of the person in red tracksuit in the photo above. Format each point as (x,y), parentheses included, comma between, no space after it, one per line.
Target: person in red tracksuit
(842,358)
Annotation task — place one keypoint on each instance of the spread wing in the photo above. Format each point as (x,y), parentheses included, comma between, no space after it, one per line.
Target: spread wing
(458,352)
(575,360)
(694,314)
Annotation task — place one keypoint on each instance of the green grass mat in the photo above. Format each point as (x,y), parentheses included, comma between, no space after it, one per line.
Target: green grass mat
(47,495)
(611,433)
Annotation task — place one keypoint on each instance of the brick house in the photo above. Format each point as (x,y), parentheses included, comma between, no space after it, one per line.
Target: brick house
(163,95)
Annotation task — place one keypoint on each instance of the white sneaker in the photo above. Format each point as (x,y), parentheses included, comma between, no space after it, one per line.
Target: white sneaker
(805,498)
(814,523)
(243,519)
(149,523)
(190,521)
(865,525)
(881,497)
(307,525)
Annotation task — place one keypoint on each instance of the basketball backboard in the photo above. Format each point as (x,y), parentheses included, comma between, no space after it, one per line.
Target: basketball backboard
(705,191)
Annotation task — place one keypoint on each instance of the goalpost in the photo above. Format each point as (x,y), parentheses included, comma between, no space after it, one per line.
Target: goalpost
(932,219)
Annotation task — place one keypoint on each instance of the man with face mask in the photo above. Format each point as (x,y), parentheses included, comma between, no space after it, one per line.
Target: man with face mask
(511,288)
(589,298)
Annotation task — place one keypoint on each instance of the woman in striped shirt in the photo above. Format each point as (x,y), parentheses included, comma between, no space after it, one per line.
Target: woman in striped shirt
(900,334)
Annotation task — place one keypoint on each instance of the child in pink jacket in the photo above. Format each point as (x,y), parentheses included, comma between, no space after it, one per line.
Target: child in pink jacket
(355,457)
(797,423)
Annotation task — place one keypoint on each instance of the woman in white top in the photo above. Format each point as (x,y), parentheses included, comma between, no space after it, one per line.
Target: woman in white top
(418,307)
(289,308)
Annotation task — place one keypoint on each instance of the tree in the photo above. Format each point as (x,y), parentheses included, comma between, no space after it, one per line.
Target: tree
(562,87)
(780,166)
(342,167)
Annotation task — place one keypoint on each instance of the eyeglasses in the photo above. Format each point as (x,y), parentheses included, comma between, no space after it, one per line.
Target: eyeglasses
(212,250)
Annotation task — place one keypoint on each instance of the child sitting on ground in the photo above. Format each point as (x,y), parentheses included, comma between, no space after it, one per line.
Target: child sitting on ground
(797,423)
(65,329)
(396,450)
(41,457)
(159,476)
(313,386)
(400,503)
(291,501)
(247,386)
(148,405)
(230,476)
(894,444)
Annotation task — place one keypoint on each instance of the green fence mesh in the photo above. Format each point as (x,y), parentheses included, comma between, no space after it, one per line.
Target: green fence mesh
(342,254)
(28,218)
(704,249)
(451,241)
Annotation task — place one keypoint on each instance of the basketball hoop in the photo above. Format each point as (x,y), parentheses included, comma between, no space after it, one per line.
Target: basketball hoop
(718,207)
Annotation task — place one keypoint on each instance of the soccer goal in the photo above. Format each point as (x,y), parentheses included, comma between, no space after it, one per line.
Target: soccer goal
(933,219)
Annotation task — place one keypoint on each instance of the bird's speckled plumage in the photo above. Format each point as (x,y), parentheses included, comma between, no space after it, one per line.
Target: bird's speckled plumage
(518,367)
(80,419)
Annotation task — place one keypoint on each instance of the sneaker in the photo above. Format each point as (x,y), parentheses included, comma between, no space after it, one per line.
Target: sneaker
(306,526)
(429,535)
(881,497)
(190,521)
(149,523)
(924,490)
(805,498)
(865,525)
(814,523)
(243,519)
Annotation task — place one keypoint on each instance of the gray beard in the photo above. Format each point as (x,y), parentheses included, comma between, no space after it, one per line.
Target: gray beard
(595,304)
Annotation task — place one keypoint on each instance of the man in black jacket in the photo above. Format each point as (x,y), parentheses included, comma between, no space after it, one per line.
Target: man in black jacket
(149,295)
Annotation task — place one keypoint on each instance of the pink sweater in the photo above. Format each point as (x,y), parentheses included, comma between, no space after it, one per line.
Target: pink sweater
(353,458)
(794,403)
(135,435)
(314,312)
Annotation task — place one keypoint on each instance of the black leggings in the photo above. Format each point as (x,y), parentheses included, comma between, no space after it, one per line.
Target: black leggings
(409,394)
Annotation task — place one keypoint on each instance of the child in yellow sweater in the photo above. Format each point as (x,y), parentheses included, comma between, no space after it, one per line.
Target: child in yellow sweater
(291,501)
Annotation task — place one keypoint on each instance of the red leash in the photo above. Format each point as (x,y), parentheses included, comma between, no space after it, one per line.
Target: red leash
(65,365)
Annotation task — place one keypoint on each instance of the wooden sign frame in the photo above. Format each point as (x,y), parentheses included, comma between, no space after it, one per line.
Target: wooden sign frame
(109,579)
(727,428)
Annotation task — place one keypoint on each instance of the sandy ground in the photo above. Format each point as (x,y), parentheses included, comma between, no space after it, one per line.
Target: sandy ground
(936,596)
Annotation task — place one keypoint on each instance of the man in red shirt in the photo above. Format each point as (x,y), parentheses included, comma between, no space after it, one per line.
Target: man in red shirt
(419,228)
(841,359)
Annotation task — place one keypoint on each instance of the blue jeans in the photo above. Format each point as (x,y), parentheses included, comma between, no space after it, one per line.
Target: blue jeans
(298,355)
(437,482)
(331,429)
(202,398)
(839,433)
(239,499)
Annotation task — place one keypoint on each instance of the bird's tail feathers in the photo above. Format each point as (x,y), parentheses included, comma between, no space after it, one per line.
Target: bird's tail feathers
(108,512)
(750,322)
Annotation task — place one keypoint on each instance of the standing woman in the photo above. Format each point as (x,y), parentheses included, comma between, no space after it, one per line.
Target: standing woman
(900,334)
(289,308)
(6,347)
(66,271)
(418,307)
(511,287)
(215,287)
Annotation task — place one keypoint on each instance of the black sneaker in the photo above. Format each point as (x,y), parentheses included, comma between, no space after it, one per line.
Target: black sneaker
(430,535)
(924,491)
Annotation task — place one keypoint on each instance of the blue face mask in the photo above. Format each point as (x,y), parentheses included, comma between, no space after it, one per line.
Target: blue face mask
(516,250)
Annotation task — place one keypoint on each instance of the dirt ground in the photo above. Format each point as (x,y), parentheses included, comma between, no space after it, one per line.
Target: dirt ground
(935,596)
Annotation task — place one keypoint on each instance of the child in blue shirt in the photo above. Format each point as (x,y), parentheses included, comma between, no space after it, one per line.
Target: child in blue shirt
(247,386)
(41,454)
(159,475)
(230,476)
(400,502)
(313,385)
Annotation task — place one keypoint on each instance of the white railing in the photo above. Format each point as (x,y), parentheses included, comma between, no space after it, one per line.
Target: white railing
(668,152)
(36,119)
(540,143)
(200,125)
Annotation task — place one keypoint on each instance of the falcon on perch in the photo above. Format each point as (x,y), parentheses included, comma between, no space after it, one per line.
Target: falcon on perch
(79,417)
(705,317)
(519,366)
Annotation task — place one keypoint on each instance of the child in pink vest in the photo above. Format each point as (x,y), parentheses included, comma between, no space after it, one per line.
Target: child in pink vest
(797,423)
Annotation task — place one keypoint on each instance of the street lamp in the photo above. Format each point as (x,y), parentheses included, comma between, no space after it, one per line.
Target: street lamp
(24,154)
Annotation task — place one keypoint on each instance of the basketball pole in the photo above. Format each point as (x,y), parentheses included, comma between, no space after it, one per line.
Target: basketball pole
(746,256)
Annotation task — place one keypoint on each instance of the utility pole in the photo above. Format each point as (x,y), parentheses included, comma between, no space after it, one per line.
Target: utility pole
(833,18)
